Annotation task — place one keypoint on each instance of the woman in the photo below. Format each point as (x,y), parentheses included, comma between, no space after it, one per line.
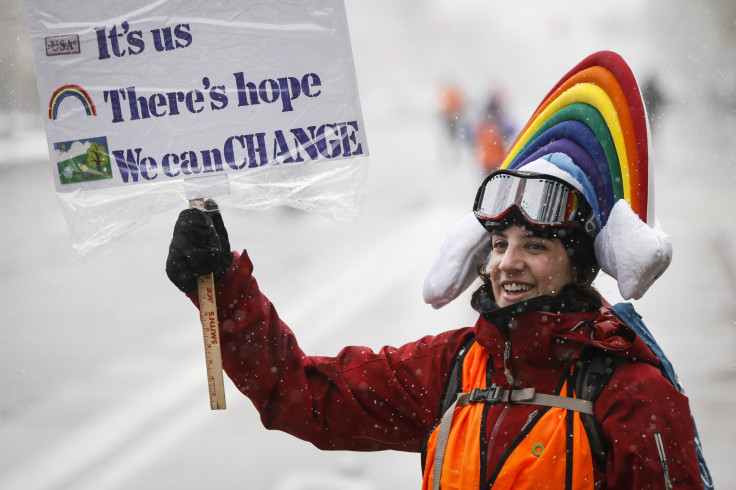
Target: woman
(501,404)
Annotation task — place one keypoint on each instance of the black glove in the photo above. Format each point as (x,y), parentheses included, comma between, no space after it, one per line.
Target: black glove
(200,246)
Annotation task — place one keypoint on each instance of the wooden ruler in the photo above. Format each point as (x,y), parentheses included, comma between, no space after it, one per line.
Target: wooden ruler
(210,333)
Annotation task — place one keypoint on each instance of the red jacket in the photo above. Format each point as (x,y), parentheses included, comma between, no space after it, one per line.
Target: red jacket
(366,401)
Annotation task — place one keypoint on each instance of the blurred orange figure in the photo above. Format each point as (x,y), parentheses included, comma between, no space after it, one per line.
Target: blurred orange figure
(489,145)
(451,107)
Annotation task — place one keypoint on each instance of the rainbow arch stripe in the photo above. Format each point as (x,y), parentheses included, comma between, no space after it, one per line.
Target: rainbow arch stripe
(596,116)
(70,91)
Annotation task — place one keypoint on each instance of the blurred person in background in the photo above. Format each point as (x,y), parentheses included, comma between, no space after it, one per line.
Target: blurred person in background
(493,132)
(451,112)
(490,148)
(655,100)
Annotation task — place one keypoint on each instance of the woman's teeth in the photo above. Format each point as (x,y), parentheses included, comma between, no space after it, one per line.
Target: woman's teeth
(516,287)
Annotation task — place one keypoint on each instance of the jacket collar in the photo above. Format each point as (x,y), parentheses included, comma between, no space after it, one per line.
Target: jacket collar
(504,316)
(546,328)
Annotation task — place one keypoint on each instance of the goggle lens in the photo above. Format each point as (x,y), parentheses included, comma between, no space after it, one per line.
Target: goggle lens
(542,201)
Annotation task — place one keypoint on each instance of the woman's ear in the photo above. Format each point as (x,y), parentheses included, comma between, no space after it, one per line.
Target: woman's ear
(576,276)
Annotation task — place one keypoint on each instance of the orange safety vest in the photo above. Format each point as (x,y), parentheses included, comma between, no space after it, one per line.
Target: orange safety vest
(539,460)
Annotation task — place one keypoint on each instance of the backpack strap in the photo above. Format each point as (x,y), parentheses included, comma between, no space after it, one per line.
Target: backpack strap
(591,374)
(454,383)
(523,396)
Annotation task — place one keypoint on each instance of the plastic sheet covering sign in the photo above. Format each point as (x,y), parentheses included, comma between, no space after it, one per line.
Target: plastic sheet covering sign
(148,103)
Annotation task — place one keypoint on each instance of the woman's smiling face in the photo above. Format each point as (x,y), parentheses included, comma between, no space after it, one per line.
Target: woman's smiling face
(524,266)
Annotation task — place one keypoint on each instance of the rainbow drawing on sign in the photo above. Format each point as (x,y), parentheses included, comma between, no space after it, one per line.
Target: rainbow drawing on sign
(75,91)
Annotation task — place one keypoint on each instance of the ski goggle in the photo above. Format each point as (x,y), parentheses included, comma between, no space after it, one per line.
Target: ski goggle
(542,200)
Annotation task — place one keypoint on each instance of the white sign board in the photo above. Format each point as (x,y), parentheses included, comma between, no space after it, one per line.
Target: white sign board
(142,92)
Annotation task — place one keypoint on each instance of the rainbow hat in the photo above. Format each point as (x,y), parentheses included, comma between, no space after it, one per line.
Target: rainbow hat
(591,130)
(595,115)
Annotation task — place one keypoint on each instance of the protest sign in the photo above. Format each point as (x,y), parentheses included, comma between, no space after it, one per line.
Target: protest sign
(254,103)
(142,97)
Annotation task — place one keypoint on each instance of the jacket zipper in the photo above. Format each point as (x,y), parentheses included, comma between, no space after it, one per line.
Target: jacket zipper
(499,420)
(663,460)
(506,359)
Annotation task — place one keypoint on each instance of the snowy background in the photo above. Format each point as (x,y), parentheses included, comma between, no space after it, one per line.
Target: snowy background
(101,374)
